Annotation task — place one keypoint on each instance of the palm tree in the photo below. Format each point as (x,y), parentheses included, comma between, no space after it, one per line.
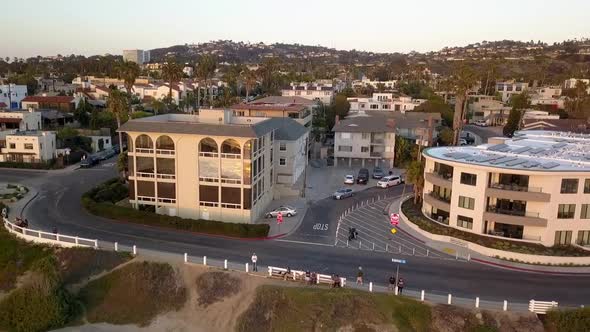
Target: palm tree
(171,73)
(118,105)
(128,71)
(249,78)
(415,176)
(205,70)
(461,82)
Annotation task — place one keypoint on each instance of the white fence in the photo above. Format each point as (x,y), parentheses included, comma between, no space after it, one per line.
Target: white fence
(48,238)
(541,307)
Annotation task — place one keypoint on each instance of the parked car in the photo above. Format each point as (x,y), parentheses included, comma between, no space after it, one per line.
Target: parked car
(286,211)
(462,142)
(90,161)
(468,138)
(363,176)
(330,161)
(481,123)
(343,193)
(349,179)
(389,181)
(106,154)
(377,173)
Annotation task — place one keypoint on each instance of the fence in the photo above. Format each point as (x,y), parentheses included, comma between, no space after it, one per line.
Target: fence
(541,307)
(48,238)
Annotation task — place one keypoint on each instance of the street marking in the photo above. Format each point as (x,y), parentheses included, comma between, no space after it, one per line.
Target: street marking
(304,242)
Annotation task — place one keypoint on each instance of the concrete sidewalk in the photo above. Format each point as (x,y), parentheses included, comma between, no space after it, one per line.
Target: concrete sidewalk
(463,252)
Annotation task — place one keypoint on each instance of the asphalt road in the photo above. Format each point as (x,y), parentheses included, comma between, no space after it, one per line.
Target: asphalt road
(58,205)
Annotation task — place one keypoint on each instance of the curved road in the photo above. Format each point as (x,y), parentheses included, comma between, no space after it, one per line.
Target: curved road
(58,205)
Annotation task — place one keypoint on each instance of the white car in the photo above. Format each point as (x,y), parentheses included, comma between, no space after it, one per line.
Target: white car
(349,179)
(462,141)
(481,123)
(286,211)
(390,180)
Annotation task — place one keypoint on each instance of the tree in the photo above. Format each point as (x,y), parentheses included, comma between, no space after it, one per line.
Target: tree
(446,136)
(578,102)
(415,176)
(128,71)
(118,106)
(267,73)
(461,82)
(519,102)
(402,151)
(206,68)
(436,104)
(171,73)
(249,79)
(81,114)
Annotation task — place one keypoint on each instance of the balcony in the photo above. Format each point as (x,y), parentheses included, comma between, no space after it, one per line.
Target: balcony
(445,180)
(439,202)
(514,217)
(377,141)
(377,154)
(516,192)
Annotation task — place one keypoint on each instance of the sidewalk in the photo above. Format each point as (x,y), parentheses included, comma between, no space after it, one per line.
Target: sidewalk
(453,250)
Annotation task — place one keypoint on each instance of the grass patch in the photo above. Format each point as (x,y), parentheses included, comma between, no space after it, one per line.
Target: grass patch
(213,287)
(133,294)
(415,215)
(78,264)
(567,320)
(99,201)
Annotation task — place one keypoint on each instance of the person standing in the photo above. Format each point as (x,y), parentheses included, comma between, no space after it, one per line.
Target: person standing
(400,285)
(359,276)
(391,283)
(254,260)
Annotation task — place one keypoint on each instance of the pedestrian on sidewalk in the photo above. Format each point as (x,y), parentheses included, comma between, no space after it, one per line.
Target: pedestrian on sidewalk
(391,283)
(254,265)
(359,276)
(400,285)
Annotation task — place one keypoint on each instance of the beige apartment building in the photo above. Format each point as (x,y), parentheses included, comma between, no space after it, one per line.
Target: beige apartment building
(212,166)
(300,112)
(28,147)
(534,187)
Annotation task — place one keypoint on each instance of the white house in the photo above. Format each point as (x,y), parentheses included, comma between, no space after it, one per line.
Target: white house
(11,95)
(12,121)
(366,82)
(509,88)
(312,91)
(384,102)
(28,147)
(571,83)
(549,95)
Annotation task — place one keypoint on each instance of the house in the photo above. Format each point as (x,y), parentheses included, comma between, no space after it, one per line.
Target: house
(28,147)
(509,88)
(11,121)
(323,93)
(302,113)
(488,109)
(59,103)
(549,95)
(572,82)
(384,102)
(290,150)
(564,125)
(366,82)
(11,95)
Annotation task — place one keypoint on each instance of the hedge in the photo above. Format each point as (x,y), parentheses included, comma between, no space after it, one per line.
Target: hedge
(10,164)
(567,320)
(99,201)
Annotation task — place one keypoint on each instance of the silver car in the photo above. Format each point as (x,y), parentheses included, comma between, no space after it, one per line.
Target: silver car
(343,193)
(286,211)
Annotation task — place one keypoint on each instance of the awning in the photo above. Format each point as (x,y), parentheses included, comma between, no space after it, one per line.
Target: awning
(10,120)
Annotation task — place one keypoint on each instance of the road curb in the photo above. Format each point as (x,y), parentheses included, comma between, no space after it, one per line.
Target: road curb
(524,269)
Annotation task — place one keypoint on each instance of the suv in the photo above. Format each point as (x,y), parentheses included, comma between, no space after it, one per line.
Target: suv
(377,173)
(388,181)
(363,176)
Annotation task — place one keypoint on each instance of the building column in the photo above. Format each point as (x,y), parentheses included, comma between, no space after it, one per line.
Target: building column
(349,161)
(363,162)
(335,161)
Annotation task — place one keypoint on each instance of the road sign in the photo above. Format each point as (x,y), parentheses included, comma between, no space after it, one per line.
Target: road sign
(279,218)
(398,261)
(394,219)
(393,231)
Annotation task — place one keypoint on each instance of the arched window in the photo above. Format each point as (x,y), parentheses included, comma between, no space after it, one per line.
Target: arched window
(164,143)
(144,142)
(208,145)
(230,146)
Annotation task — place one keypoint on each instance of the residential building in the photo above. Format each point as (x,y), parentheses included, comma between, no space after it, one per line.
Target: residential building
(549,95)
(323,93)
(213,165)
(384,102)
(533,114)
(534,187)
(28,147)
(572,82)
(11,95)
(188,71)
(488,109)
(290,151)
(138,56)
(566,125)
(509,88)
(302,113)
(59,103)
(107,81)
(365,82)
(12,121)
(160,91)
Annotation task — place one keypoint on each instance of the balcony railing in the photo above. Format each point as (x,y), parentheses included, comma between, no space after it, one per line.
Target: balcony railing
(231,155)
(439,197)
(208,179)
(209,154)
(231,181)
(144,150)
(377,154)
(446,176)
(165,152)
(515,187)
(140,174)
(166,176)
(512,212)
(146,199)
(377,141)
(167,200)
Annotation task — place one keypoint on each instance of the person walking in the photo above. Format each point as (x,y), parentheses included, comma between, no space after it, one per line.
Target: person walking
(400,285)
(391,283)
(254,265)
(359,276)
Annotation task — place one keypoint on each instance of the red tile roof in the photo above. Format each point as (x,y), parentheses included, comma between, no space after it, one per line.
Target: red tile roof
(49,99)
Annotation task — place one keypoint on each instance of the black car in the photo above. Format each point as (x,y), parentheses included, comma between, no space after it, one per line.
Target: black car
(89,162)
(363,176)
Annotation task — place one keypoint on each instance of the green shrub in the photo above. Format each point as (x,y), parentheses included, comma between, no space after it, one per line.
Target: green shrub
(568,320)
(42,165)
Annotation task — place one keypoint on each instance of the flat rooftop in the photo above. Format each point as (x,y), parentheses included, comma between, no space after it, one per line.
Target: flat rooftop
(530,150)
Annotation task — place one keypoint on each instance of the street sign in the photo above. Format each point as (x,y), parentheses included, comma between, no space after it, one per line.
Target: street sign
(279,218)
(398,261)
(393,231)
(394,219)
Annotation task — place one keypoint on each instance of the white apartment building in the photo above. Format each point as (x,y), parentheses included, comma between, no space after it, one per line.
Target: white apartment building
(366,82)
(209,166)
(160,91)
(534,187)
(12,121)
(323,93)
(11,95)
(384,102)
(138,56)
(28,147)
(488,109)
(548,95)
(509,88)
(571,83)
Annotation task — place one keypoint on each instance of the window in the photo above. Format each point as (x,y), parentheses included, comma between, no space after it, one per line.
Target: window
(466,202)
(366,135)
(28,146)
(563,237)
(583,238)
(374,106)
(364,149)
(283,161)
(283,146)
(465,222)
(569,186)
(345,148)
(12,146)
(585,214)
(345,135)
(587,186)
(469,179)
(566,211)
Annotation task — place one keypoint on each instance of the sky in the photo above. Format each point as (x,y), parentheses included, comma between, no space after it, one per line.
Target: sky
(36,27)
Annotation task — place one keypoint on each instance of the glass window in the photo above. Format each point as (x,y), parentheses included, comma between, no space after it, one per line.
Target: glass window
(465,222)
(566,211)
(283,146)
(28,146)
(466,202)
(563,237)
(583,238)
(283,161)
(345,148)
(569,186)
(345,135)
(587,186)
(468,178)
(585,214)
(366,135)
(364,149)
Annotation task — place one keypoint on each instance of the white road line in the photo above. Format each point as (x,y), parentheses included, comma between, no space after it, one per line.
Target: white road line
(304,242)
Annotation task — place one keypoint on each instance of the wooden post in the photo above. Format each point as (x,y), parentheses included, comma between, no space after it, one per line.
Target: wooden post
(449,299)
(422,296)
(205,260)
(185,257)
(477,302)
(134,250)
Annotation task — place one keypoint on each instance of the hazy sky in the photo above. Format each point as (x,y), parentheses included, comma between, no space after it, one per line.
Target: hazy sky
(35,27)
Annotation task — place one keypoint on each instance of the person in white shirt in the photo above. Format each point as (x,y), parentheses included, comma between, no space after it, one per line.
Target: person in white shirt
(254,260)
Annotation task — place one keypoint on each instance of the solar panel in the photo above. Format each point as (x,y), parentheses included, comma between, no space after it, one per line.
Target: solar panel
(497,147)
(536,150)
(502,160)
(456,155)
(550,165)
(516,162)
(523,149)
(559,145)
(530,164)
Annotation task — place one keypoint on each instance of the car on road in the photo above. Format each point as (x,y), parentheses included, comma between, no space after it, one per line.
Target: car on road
(343,193)
(349,179)
(363,176)
(389,181)
(106,154)
(468,138)
(90,161)
(377,173)
(481,123)
(463,141)
(286,211)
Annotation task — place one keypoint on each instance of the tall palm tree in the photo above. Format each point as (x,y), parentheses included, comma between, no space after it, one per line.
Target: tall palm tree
(205,70)
(171,73)
(128,71)
(461,82)
(249,79)
(415,176)
(118,105)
